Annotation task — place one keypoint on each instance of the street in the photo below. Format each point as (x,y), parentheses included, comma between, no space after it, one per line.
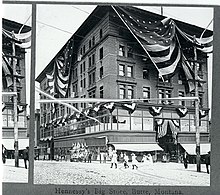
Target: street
(80,173)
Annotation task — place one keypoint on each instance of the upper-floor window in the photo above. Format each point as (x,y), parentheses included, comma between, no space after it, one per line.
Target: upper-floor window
(90,44)
(181,94)
(129,71)
(91,78)
(101,53)
(130,51)
(130,92)
(146,92)
(100,33)
(93,40)
(101,72)
(145,73)
(92,94)
(121,70)
(101,91)
(164,93)
(121,51)
(84,49)
(122,92)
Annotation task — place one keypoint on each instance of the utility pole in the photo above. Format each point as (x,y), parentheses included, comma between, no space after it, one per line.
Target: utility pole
(198,163)
(16,155)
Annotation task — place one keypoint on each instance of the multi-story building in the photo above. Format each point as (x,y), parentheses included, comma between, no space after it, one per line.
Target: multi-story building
(109,63)
(7,86)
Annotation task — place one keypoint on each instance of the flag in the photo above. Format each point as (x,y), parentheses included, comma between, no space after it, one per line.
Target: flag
(7,73)
(58,79)
(189,75)
(156,37)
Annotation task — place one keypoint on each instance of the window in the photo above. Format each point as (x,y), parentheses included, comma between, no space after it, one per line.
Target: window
(130,52)
(145,73)
(75,73)
(180,78)
(130,92)
(121,70)
(181,102)
(84,66)
(93,59)
(101,72)
(121,51)
(93,40)
(129,71)
(100,33)
(101,91)
(84,82)
(90,44)
(92,94)
(74,89)
(201,99)
(122,91)
(84,49)
(91,78)
(164,93)
(81,68)
(146,92)
(101,53)
(90,61)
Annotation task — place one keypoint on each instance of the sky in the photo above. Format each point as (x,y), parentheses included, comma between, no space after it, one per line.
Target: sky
(57,23)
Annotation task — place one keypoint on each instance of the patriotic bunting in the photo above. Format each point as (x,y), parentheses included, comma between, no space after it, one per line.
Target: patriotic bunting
(58,79)
(110,106)
(155,111)
(130,107)
(203,113)
(21,109)
(182,112)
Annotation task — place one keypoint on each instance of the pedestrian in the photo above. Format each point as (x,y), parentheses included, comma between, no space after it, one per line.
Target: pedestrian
(134,161)
(3,154)
(150,159)
(185,160)
(126,161)
(90,157)
(114,159)
(104,157)
(26,156)
(207,161)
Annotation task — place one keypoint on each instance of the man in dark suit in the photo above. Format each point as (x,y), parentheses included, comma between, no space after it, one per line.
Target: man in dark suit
(207,161)
(26,156)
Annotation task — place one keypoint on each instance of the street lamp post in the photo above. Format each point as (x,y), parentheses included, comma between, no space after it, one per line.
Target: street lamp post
(198,163)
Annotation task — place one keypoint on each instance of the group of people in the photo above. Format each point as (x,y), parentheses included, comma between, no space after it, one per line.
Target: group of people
(134,162)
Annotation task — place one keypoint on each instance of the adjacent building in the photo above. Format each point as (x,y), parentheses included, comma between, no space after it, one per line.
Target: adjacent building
(7,86)
(108,61)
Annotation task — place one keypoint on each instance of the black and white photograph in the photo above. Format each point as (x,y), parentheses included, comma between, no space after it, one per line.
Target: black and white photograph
(103,94)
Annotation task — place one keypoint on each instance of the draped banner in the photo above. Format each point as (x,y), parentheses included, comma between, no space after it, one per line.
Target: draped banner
(130,107)
(182,111)
(155,111)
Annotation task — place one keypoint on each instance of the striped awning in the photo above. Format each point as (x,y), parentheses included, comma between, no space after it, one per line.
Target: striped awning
(191,148)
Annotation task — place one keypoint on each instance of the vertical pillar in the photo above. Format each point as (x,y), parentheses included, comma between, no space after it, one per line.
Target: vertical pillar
(32,97)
